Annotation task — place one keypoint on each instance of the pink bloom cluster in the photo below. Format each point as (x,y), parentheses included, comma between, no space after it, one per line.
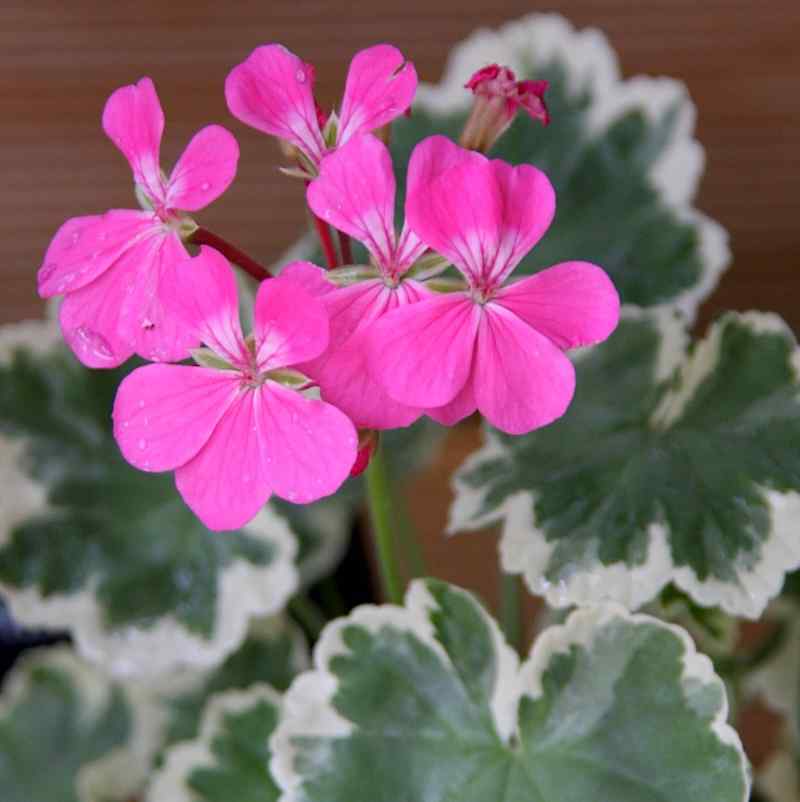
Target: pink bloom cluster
(432,325)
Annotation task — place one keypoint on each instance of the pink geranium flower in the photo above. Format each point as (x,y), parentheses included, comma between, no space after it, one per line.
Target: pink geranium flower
(110,266)
(273,91)
(494,347)
(355,193)
(242,427)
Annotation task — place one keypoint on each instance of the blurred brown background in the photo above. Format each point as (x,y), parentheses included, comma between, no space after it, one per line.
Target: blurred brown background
(59,61)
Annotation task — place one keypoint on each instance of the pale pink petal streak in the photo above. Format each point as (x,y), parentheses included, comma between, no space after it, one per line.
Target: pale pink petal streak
(85,247)
(227,482)
(205,169)
(164,414)
(134,121)
(355,193)
(291,325)
(380,86)
(201,293)
(573,303)
(309,445)
(528,203)
(521,380)
(272,90)
(422,353)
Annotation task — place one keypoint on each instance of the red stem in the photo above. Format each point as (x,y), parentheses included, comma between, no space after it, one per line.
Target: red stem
(202,236)
(326,241)
(344,247)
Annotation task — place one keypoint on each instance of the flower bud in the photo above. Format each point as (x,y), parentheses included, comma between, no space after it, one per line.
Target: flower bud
(367,443)
(498,96)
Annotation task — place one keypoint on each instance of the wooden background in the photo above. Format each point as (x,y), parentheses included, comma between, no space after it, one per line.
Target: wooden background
(59,61)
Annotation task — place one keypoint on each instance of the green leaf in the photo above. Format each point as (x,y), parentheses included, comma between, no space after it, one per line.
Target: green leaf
(67,734)
(668,467)
(621,155)
(230,758)
(111,552)
(428,702)
(274,652)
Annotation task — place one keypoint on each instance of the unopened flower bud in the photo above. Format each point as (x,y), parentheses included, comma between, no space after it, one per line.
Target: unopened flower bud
(367,443)
(498,96)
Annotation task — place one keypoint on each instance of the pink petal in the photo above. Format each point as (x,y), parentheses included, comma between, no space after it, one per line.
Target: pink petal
(205,169)
(291,325)
(227,483)
(521,380)
(421,353)
(201,293)
(573,303)
(146,320)
(164,414)
(529,204)
(484,216)
(309,276)
(462,406)
(85,247)
(380,86)
(355,193)
(342,371)
(310,446)
(134,122)
(272,90)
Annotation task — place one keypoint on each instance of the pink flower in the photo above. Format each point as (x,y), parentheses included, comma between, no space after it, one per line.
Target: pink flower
(493,347)
(110,266)
(273,91)
(241,428)
(355,193)
(498,97)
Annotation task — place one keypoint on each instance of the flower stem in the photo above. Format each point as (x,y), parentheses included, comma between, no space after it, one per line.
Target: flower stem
(326,241)
(381,516)
(345,248)
(202,236)
(511,609)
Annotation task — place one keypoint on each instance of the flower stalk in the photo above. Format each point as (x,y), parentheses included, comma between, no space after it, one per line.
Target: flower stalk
(202,236)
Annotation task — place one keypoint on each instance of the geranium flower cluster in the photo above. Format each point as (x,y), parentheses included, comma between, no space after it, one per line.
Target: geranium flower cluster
(433,325)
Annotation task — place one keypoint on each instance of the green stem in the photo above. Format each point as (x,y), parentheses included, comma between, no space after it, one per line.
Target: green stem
(511,609)
(308,615)
(381,516)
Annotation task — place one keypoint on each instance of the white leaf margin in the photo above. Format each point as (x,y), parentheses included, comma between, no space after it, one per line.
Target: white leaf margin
(169,783)
(524,548)
(592,66)
(244,590)
(308,704)
(122,772)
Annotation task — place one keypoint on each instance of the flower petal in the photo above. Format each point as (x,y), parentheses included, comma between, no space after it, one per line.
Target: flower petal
(521,380)
(573,303)
(421,353)
(164,414)
(309,276)
(272,91)
(432,157)
(85,247)
(462,406)
(310,445)
(146,320)
(226,483)
(291,325)
(380,86)
(355,193)
(342,371)
(529,204)
(201,292)
(134,121)
(205,169)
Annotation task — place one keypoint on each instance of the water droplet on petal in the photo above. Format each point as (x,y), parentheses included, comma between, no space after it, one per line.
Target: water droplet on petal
(76,235)
(103,235)
(46,273)
(142,444)
(205,186)
(147,324)
(301,76)
(141,403)
(93,344)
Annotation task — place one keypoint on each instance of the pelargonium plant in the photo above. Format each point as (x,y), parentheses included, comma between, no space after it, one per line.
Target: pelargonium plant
(182,452)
